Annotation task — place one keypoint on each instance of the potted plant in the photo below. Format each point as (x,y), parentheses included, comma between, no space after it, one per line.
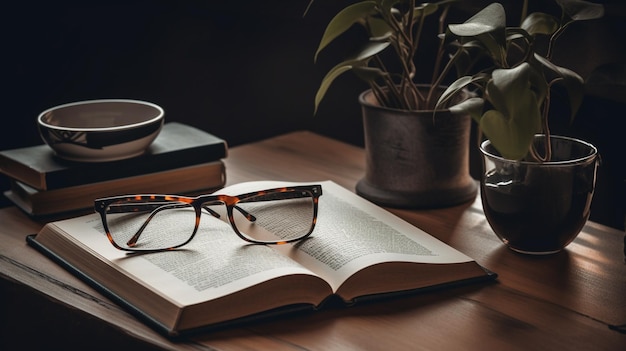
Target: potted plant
(536,187)
(416,156)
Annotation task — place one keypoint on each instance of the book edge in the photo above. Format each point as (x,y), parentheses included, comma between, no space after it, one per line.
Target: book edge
(31,206)
(489,276)
(159,327)
(31,240)
(173,334)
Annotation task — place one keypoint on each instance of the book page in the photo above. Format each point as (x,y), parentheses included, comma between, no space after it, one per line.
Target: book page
(352,233)
(215,263)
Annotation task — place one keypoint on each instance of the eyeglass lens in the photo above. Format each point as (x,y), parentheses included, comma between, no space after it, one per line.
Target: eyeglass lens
(278,217)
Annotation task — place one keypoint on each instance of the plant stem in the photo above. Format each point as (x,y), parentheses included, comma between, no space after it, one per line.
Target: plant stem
(398,42)
(440,51)
(553,39)
(411,94)
(546,127)
(443,73)
(547,152)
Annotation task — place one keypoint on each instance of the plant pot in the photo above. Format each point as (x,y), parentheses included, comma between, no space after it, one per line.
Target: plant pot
(415,159)
(539,208)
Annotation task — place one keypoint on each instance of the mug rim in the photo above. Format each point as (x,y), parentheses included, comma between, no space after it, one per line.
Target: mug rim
(580,160)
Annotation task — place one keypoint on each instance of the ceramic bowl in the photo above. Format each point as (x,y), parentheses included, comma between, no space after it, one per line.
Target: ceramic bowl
(100,130)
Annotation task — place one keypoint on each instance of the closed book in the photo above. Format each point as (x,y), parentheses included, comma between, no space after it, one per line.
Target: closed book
(177,145)
(185,180)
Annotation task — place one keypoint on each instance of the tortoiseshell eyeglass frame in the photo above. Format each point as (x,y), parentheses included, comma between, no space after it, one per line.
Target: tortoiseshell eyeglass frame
(197,202)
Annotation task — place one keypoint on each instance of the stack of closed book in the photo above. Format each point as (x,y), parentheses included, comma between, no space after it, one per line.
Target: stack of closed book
(181,160)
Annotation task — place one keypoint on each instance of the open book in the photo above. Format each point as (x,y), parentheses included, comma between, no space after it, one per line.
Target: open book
(356,251)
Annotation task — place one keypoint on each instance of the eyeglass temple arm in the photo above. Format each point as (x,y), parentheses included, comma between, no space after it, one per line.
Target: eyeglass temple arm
(246,214)
(133,240)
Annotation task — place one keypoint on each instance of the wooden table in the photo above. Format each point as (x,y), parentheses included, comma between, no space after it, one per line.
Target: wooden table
(572,300)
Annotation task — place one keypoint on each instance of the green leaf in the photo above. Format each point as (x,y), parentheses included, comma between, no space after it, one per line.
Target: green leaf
(574,85)
(488,26)
(579,10)
(344,20)
(328,80)
(516,117)
(426,9)
(469,45)
(359,59)
(540,23)
(472,106)
(379,29)
(538,83)
(572,81)
(456,87)
(386,6)
(506,86)
(512,135)
(368,73)
(368,50)
(504,135)
(491,18)
(495,47)
(513,33)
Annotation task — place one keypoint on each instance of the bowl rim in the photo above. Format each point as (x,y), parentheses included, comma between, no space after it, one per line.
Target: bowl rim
(102,129)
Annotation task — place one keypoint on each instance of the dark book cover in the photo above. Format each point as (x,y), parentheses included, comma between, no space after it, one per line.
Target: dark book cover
(177,145)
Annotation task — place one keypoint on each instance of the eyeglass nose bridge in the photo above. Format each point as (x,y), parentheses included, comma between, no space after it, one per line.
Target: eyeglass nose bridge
(230,202)
(205,205)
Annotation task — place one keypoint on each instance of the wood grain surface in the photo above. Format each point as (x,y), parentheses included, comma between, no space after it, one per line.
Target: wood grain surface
(575,299)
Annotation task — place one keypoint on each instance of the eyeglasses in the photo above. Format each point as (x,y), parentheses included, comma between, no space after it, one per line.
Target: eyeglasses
(165,222)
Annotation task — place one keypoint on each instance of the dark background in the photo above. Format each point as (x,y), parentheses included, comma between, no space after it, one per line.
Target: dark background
(244,71)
